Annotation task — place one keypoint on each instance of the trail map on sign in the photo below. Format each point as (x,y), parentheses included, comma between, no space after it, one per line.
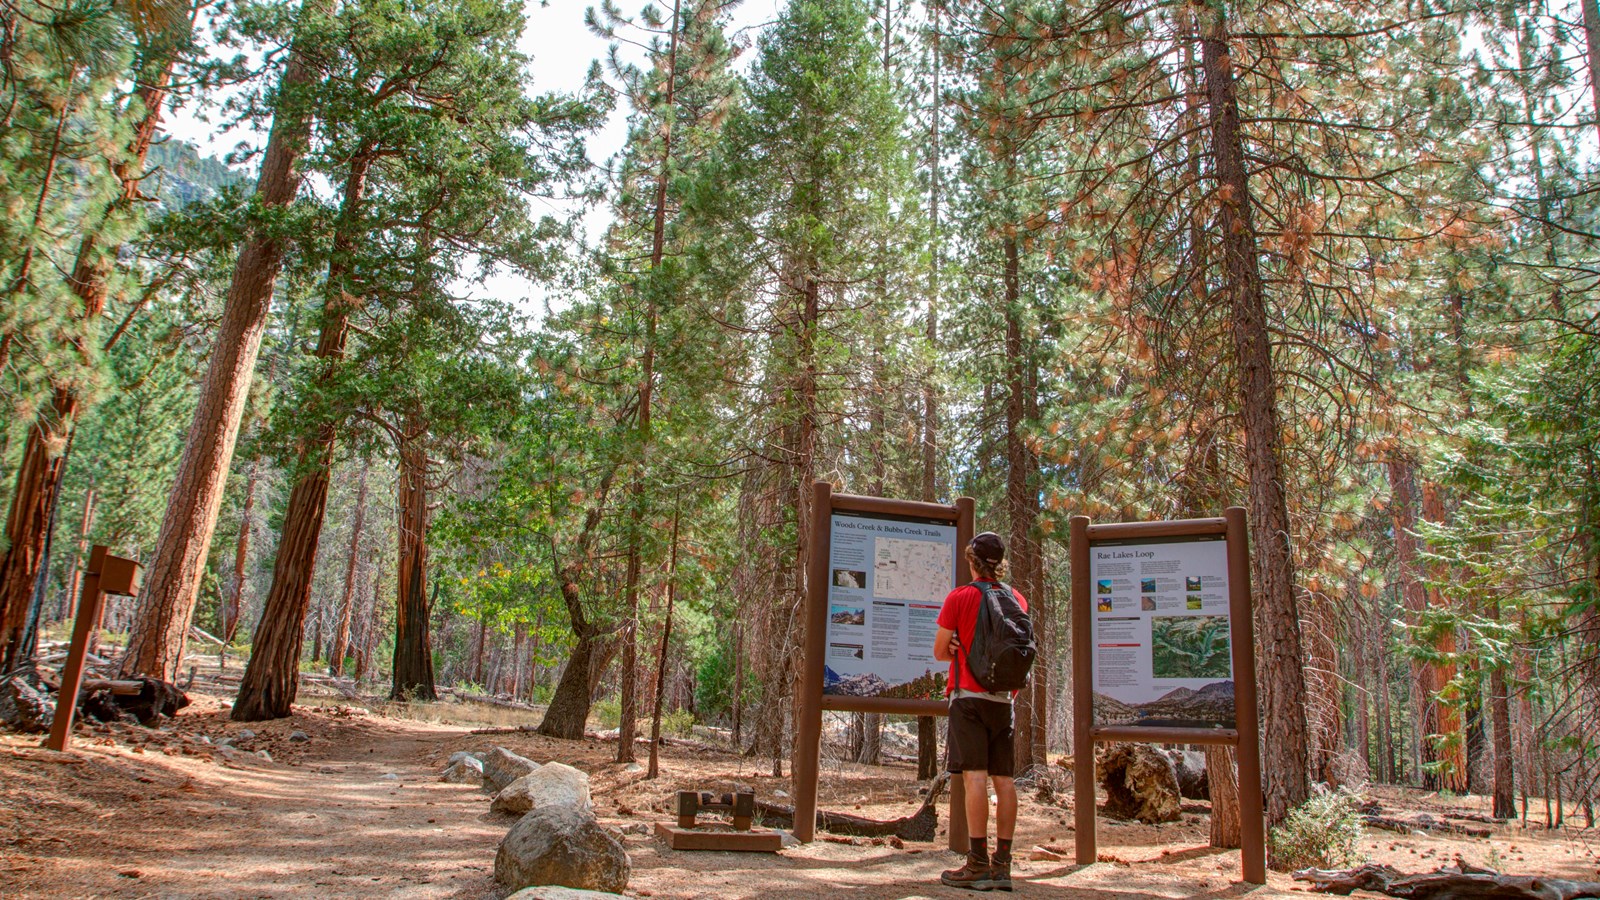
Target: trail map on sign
(912,570)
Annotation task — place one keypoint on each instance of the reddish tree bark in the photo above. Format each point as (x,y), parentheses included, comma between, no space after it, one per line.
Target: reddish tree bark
(233,606)
(1282,669)
(155,647)
(1022,504)
(413,655)
(40,470)
(273,674)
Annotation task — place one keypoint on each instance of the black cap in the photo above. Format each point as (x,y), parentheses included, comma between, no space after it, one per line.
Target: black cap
(989,548)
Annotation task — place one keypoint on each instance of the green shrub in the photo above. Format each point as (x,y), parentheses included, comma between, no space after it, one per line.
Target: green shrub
(678,723)
(608,713)
(1324,832)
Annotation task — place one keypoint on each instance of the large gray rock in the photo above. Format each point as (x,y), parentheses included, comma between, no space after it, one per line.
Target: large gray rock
(464,771)
(501,767)
(552,892)
(556,784)
(561,845)
(1191,768)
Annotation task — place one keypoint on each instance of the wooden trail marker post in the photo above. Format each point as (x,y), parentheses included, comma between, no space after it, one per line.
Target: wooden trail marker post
(1128,579)
(882,530)
(107,574)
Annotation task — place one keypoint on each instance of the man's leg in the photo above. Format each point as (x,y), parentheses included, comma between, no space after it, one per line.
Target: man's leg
(1005,806)
(978,804)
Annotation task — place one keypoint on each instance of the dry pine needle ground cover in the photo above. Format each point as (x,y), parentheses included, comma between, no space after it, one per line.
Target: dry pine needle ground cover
(356,811)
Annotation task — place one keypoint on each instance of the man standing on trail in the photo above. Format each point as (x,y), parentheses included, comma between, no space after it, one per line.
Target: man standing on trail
(980,739)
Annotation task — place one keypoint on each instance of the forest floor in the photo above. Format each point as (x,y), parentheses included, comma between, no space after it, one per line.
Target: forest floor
(357,811)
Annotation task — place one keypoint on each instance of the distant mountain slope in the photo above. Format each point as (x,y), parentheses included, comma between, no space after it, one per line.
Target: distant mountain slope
(181,176)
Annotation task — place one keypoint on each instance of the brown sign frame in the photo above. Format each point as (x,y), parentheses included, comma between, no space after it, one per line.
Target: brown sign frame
(1245,736)
(808,730)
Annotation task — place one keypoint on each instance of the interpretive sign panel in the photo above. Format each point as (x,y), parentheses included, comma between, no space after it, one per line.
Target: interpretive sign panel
(1163,652)
(1162,643)
(888,576)
(877,574)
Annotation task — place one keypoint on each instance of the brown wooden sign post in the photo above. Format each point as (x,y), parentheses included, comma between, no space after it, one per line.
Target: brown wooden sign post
(107,575)
(1103,598)
(808,734)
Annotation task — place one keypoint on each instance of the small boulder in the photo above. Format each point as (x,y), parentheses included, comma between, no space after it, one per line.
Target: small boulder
(501,767)
(561,845)
(299,737)
(1191,768)
(463,771)
(244,734)
(556,784)
(553,892)
(459,755)
(388,776)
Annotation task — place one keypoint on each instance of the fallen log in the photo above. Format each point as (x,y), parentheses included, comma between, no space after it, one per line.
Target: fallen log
(1448,883)
(1407,826)
(919,826)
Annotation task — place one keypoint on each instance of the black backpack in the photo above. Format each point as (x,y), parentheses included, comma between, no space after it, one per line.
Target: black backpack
(1003,648)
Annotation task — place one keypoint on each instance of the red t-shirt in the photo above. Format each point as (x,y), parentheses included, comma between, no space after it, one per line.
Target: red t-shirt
(960,614)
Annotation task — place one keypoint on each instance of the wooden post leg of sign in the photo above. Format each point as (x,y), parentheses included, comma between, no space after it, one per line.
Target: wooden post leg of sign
(1252,825)
(1082,696)
(808,733)
(72,672)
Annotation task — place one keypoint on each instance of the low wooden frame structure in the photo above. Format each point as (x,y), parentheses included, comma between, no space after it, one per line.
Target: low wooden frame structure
(107,574)
(808,733)
(1245,737)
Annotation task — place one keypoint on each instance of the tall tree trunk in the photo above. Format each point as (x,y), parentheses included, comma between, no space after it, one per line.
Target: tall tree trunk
(1282,673)
(1022,503)
(1505,798)
(38,479)
(927,732)
(413,654)
(654,768)
(272,676)
(1446,746)
(233,605)
(1591,34)
(172,583)
(1222,776)
(347,604)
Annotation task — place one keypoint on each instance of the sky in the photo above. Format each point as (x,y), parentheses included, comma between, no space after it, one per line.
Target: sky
(562,49)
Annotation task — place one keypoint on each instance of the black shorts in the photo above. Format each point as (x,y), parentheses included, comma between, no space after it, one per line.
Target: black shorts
(980,737)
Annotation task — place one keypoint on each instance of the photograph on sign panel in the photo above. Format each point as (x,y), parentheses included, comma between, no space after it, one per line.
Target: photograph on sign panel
(1189,647)
(847,615)
(847,578)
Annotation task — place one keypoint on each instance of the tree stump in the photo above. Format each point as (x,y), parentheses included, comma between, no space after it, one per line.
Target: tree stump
(1140,783)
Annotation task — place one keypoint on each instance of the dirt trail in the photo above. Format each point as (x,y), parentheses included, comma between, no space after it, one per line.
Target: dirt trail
(115,822)
(139,813)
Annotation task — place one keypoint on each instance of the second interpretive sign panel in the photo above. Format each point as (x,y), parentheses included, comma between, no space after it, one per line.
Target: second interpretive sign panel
(888,577)
(1162,635)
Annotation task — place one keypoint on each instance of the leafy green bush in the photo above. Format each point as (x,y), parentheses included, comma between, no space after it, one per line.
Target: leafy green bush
(1324,832)
(608,712)
(677,723)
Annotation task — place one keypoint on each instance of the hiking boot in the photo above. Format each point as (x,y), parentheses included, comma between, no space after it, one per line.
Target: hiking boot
(997,879)
(968,876)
